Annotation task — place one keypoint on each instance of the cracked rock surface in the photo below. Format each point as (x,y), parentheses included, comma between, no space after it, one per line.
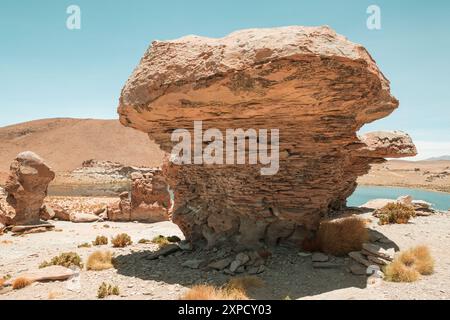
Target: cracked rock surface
(312,84)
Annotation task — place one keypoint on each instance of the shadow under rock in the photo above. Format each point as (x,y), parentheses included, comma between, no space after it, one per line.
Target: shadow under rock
(287,274)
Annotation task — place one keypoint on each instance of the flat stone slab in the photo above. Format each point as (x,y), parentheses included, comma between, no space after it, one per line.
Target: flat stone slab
(51,273)
(378,251)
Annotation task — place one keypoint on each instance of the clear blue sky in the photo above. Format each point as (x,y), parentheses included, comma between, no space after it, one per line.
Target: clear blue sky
(47,70)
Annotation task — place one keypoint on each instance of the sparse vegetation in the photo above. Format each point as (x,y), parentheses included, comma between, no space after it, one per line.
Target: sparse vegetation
(409,265)
(21,283)
(244,283)
(100,241)
(84,245)
(121,240)
(53,295)
(395,213)
(99,260)
(107,290)
(144,241)
(341,236)
(66,259)
(207,292)
(161,241)
(235,289)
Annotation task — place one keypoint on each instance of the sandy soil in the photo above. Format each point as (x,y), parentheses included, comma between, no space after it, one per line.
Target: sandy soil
(66,143)
(287,273)
(431,175)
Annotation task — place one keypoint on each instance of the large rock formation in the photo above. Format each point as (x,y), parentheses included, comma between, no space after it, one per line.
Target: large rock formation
(26,187)
(312,84)
(148,201)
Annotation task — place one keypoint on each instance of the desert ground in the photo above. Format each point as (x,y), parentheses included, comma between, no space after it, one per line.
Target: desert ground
(430,175)
(289,273)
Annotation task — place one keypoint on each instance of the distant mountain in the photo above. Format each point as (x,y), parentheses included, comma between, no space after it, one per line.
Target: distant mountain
(441,158)
(66,143)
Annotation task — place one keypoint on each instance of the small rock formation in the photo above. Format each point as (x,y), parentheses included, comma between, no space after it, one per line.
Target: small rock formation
(6,211)
(312,84)
(26,187)
(149,200)
(421,208)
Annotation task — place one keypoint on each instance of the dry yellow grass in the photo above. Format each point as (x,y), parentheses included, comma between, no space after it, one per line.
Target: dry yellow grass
(207,292)
(21,283)
(341,236)
(54,295)
(66,259)
(161,241)
(6,242)
(409,265)
(395,213)
(234,289)
(84,245)
(244,283)
(99,260)
(121,240)
(2,282)
(100,241)
(107,290)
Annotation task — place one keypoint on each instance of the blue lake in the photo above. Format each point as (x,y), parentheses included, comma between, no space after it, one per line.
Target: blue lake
(440,200)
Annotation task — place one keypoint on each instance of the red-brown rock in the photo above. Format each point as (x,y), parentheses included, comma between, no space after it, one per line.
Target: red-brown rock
(26,187)
(312,84)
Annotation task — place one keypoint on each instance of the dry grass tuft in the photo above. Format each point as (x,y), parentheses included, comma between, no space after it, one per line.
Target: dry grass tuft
(392,213)
(161,241)
(409,265)
(84,245)
(2,282)
(207,292)
(234,289)
(144,241)
(107,290)
(99,260)
(121,240)
(21,283)
(341,236)
(100,241)
(6,242)
(54,295)
(66,259)
(244,283)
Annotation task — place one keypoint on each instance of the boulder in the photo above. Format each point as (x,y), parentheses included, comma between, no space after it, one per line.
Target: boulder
(312,85)
(26,187)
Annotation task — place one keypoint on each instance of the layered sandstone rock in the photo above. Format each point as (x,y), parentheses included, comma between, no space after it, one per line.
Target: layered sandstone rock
(26,187)
(313,85)
(148,201)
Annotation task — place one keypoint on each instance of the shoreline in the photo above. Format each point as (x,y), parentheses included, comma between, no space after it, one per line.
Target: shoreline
(406,186)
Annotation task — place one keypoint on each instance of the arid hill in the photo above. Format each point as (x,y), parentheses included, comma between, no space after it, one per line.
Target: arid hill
(66,143)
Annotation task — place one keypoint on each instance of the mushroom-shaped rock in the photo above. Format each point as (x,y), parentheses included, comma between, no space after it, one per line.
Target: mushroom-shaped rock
(313,85)
(26,187)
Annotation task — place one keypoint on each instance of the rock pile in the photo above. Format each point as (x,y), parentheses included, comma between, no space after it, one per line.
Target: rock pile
(26,189)
(421,208)
(149,200)
(371,255)
(312,84)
